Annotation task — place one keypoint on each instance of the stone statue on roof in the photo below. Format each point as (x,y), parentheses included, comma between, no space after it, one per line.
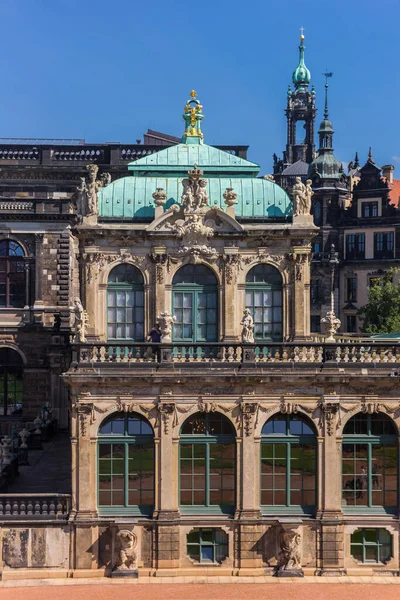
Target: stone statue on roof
(194,195)
(302,194)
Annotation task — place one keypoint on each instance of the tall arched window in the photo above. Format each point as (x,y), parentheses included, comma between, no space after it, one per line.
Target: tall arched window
(126,465)
(195,304)
(12,274)
(125,304)
(207,463)
(317,212)
(264,299)
(370,462)
(288,463)
(11,371)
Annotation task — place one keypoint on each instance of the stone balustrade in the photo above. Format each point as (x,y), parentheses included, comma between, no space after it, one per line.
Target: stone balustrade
(35,506)
(342,354)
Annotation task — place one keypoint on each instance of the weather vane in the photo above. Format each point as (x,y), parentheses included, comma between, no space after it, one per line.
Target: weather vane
(326,75)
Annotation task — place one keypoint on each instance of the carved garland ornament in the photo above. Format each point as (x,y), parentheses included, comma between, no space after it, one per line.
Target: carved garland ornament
(96,261)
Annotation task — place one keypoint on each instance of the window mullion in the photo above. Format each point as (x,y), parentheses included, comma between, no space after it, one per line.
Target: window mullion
(369,480)
(126,469)
(207,474)
(288,474)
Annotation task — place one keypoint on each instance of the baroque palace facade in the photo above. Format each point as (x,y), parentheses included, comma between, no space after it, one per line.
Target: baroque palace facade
(240,444)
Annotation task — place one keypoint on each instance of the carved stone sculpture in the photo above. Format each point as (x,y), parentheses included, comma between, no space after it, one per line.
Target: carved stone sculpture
(290,554)
(81,197)
(166,320)
(194,195)
(81,321)
(92,189)
(247,324)
(86,192)
(106,179)
(24,435)
(159,197)
(230,197)
(38,424)
(330,325)
(302,194)
(126,559)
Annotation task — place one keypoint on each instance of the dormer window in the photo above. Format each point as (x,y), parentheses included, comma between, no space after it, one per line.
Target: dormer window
(369,209)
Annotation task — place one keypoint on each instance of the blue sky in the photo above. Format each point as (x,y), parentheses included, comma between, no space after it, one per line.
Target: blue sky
(106,71)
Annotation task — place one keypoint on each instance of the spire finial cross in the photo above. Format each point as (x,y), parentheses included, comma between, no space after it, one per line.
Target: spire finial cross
(302,32)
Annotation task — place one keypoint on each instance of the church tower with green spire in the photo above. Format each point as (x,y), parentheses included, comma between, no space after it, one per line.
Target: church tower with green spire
(300,114)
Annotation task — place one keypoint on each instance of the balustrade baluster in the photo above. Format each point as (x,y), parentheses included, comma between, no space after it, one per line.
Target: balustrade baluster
(8,508)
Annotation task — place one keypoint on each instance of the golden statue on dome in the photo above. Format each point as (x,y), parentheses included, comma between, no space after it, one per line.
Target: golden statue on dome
(193,115)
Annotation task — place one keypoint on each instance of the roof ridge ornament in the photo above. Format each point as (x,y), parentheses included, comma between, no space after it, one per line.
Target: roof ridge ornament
(193,116)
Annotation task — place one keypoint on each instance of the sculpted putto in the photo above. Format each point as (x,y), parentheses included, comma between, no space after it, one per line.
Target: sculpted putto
(194,195)
(302,194)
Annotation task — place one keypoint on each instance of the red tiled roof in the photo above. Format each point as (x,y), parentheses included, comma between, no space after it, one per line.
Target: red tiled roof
(395,192)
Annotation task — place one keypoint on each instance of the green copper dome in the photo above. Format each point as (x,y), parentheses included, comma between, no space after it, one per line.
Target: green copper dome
(132,197)
(301,75)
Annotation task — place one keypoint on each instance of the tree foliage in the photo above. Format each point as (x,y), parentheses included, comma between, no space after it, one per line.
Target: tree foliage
(381,314)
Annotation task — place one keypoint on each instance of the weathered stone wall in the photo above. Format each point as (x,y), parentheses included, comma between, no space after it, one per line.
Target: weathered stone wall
(35,546)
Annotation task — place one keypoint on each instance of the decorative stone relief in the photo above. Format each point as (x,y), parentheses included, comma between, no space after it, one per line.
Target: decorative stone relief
(300,261)
(248,409)
(233,264)
(126,556)
(85,414)
(166,410)
(329,411)
(130,406)
(96,261)
(207,407)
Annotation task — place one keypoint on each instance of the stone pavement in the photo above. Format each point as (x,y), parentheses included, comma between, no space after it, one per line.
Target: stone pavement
(235,588)
(49,469)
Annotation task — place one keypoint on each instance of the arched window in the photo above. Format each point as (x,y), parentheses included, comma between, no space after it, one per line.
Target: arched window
(288,463)
(317,212)
(370,462)
(11,371)
(125,304)
(264,299)
(207,463)
(126,465)
(195,304)
(12,274)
